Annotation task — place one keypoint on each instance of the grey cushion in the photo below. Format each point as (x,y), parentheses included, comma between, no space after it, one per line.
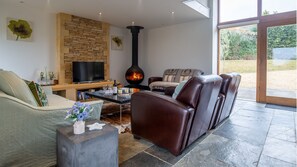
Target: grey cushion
(179,88)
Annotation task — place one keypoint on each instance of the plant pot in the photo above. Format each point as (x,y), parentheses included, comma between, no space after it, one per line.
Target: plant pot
(79,127)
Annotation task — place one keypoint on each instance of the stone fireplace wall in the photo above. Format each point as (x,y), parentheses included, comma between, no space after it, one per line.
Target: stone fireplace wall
(80,39)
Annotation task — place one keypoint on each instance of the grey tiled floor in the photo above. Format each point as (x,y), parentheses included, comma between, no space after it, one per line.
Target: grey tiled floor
(252,136)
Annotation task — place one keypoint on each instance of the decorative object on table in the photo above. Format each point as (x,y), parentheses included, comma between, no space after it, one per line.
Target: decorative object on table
(95,126)
(51,77)
(79,113)
(116,43)
(125,90)
(47,77)
(19,30)
(114,88)
(41,76)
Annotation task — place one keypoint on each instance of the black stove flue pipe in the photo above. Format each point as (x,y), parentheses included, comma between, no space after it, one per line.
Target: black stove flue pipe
(135,31)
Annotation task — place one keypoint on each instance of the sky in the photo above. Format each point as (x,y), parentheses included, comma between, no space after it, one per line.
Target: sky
(238,9)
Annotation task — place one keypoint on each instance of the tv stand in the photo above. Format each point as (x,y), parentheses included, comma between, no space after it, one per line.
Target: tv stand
(69,91)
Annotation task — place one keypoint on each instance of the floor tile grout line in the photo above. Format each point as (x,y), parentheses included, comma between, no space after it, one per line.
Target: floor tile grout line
(210,132)
(158,158)
(265,138)
(281,160)
(136,154)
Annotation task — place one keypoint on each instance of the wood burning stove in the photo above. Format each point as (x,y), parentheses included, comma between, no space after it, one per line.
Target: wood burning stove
(134,74)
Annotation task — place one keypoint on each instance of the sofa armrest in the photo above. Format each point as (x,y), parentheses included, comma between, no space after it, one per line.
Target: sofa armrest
(151,111)
(30,132)
(154,79)
(169,90)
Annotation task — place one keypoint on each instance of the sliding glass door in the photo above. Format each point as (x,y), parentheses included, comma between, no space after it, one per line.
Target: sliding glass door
(278,74)
(238,53)
(260,44)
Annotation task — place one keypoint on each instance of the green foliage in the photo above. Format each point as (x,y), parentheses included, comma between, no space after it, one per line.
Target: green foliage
(20,28)
(241,43)
(281,37)
(238,44)
(265,13)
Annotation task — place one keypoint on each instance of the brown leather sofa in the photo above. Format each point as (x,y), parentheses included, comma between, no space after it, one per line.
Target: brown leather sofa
(226,98)
(175,123)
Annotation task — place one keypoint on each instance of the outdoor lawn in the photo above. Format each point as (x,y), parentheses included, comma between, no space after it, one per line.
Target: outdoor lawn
(249,66)
(282,75)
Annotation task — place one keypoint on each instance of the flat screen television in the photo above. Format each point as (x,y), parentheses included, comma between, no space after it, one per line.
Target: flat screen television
(87,71)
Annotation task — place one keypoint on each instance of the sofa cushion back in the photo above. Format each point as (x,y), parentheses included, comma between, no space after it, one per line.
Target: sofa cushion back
(208,96)
(189,94)
(14,86)
(230,83)
(178,75)
(225,83)
(170,74)
(230,90)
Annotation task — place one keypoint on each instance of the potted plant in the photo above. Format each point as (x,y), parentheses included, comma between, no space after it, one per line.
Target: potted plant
(78,114)
(51,77)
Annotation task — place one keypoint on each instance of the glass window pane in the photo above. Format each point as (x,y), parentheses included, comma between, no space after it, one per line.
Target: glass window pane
(277,6)
(238,53)
(281,61)
(237,9)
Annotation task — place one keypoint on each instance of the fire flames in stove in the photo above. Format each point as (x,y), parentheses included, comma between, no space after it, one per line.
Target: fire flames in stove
(135,76)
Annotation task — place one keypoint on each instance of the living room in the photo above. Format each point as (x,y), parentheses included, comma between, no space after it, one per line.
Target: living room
(180,38)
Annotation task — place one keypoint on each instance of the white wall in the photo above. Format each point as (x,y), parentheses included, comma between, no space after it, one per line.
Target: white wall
(214,16)
(26,58)
(121,60)
(187,45)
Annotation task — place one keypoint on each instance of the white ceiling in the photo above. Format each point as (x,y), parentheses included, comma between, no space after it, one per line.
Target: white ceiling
(121,13)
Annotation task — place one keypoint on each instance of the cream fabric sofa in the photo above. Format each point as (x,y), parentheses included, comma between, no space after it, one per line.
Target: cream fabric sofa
(171,78)
(28,132)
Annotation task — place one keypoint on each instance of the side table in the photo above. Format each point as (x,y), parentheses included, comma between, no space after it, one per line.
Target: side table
(91,149)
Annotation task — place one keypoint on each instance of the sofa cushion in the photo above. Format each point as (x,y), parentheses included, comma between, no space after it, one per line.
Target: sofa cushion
(162,85)
(38,93)
(33,89)
(41,95)
(58,101)
(178,88)
(169,78)
(14,86)
(178,75)
(184,78)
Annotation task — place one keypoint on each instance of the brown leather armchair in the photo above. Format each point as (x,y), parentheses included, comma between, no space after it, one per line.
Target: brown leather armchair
(226,98)
(175,123)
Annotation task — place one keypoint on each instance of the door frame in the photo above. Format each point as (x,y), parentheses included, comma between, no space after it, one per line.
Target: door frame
(265,22)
